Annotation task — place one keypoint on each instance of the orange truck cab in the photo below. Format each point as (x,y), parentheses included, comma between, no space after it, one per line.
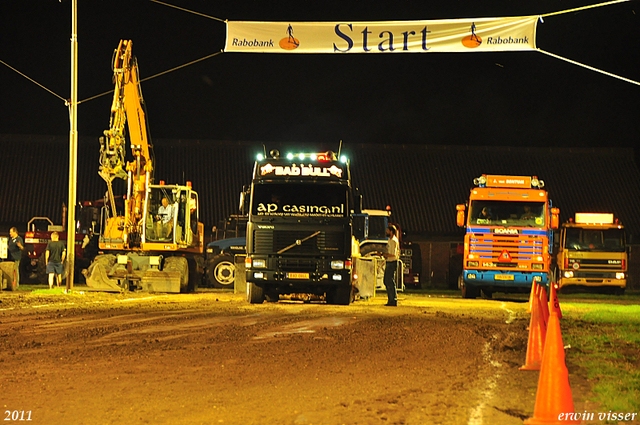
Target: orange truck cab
(592,253)
(509,235)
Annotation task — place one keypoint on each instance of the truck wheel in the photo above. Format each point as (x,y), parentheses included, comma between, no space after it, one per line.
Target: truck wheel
(195,275)
(255,294)
(41,270)
(373,247)
(272,297)
(221,271)
(469,291)
(340,295)
(180,265)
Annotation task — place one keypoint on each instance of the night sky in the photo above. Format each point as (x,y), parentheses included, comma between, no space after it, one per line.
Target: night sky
(493,99)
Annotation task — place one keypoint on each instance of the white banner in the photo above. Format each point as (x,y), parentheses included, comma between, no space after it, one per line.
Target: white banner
(446,35)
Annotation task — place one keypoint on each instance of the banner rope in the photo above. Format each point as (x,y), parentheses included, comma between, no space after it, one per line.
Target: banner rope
(589,67)
(577,9)
(187,10)
(217,53)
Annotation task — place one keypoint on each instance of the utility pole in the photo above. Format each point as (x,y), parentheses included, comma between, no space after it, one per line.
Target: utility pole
(73,148)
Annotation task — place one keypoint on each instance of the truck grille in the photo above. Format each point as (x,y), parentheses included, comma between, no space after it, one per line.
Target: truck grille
(270,241)
(596,264)
(298,264)
(491,247)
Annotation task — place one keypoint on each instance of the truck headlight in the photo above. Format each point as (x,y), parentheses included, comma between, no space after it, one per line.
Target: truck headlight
(259,263)
(472,264)
(568,273)
(619,276)
(471,276)
(537,266)
(337,264)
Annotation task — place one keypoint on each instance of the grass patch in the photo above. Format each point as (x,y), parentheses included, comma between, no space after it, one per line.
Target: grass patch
(605,342)
(54,290)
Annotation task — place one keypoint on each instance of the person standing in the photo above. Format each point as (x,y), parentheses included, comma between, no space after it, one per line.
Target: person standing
(54,257)
(16,245)
(391,265)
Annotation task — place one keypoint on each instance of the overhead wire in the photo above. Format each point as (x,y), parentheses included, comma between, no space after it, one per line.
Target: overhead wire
(588,67)
(33,81)
(66,101)
(222,20)
(187,10)
(577,9)
(156,75)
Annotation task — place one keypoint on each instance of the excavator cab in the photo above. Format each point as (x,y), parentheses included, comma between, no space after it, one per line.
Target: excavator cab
(171,215)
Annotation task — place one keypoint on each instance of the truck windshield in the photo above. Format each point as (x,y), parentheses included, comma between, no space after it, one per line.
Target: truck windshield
(610,240)
(504,213)
(299,200)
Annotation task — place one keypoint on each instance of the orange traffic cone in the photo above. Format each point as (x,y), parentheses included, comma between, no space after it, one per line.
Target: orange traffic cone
(537,334)
(532,295)
(544,304)
(554,304)
(554,402)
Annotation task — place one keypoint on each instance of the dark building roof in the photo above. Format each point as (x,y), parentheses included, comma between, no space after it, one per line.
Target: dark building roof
(422,184)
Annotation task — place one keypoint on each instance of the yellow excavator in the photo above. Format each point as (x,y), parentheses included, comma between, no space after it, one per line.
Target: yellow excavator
(155,242)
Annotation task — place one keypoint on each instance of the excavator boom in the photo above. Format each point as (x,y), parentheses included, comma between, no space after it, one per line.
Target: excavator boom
(127,108)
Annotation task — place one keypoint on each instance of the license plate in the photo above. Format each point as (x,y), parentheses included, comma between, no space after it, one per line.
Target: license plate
(297,275)
(504,277)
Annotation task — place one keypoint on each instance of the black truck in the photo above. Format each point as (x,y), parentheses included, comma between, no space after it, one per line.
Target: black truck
(299,235)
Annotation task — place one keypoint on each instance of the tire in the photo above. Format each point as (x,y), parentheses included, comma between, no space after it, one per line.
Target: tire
(486,294)
(181,265)
(272,297)
(373,247)
(255,294)
(469,291)
(221,271)
(195,275)
(340,295)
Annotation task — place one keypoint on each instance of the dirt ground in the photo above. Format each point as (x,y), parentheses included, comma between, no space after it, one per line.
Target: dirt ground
(212,358)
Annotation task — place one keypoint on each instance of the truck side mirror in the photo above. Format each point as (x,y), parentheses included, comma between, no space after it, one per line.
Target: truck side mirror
(460,215)
(555,218)
(357,202)
(243,208)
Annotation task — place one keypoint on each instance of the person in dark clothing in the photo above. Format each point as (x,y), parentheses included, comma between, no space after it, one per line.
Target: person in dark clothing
(16,246)
(54,256)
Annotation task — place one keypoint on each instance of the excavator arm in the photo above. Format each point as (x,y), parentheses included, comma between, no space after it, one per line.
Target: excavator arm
(127,108)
